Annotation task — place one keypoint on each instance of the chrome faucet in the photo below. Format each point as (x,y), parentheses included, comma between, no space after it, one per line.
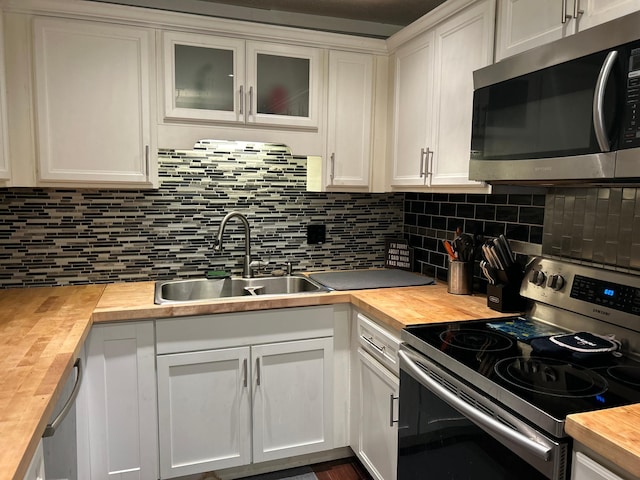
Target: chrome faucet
(217,242)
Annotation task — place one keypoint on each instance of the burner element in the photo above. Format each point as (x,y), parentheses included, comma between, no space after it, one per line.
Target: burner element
(476,340)
(625,374)
(549,376)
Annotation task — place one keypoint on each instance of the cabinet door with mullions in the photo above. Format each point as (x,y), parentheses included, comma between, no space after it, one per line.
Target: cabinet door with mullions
(204,77)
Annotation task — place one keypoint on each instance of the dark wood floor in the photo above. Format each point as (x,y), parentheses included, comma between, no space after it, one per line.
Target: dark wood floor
(346,469)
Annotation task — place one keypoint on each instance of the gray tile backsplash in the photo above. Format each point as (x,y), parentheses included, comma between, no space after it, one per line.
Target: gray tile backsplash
(595,225)
(63,236)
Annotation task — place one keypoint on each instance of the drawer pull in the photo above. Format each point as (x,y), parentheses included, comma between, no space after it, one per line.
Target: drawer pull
(391,400)
(370,341)
(51,428)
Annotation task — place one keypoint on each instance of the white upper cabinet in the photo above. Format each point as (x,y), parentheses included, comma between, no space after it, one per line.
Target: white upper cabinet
(4,150)
(412,110)
(524,24)
(596,12)
(203,77)
(93,97)
(433,96)
(221,79)
(349,119)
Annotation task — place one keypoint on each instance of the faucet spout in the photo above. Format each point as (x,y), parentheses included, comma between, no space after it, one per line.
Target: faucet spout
(247,240)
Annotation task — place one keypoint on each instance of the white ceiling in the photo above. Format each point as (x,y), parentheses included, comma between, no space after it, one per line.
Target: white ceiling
(378,18)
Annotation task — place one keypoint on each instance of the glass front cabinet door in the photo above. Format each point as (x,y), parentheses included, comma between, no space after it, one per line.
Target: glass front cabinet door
(230,80)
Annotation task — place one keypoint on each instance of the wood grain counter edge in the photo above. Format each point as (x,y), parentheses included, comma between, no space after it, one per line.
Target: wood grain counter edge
(611,433)
(395,307)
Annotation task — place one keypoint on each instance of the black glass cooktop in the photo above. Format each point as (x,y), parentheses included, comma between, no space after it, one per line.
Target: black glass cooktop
(505,352)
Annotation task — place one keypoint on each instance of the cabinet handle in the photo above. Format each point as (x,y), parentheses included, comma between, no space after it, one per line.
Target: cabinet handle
(250,100)
(241,100)
(147,160)
(51,428)
(244,369)
(391,399)
(576,9)
(565,16)
(333,167)
(258,371)
(429,155)
(372,343)
(422,162)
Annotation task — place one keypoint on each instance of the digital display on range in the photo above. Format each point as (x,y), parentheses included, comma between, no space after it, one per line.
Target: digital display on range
(607,294)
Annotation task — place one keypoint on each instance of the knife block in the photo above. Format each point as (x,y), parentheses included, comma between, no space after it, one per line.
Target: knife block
(505,298)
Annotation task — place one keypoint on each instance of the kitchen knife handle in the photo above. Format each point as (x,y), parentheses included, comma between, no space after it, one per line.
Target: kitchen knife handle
(507,247)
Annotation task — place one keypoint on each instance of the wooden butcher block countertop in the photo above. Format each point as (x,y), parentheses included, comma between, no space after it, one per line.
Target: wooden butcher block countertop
(612,433)
(41,333)
(43,329)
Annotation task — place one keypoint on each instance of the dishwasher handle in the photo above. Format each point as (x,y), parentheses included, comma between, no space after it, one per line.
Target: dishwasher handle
(51,428)
(541,451)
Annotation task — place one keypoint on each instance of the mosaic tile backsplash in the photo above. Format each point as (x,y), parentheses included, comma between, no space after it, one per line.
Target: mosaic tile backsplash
(65,237)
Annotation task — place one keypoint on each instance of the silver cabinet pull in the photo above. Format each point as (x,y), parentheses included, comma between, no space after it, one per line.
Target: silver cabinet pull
(372,343)
(241,102)
(51,428)
(333,167)
(429,155)
(565,16)
(258,371)
(576,9)
(598,101)
(250,100)
(422,152)
(245,372)
(392,397)
(147,160)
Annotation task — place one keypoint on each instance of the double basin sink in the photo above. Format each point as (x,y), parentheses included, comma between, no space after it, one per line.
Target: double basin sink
(202,289)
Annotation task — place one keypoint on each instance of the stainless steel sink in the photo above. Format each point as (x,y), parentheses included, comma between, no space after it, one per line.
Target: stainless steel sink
(180,291)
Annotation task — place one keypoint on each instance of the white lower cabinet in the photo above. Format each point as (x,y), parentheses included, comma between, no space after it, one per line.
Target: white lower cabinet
(292,412)
(204,409)
(116,406)
(235,389)
(378,436)
(374,397)
(584,468)
(36,467)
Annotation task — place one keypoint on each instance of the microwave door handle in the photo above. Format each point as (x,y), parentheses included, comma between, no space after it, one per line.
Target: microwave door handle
(598,101)
(541,451)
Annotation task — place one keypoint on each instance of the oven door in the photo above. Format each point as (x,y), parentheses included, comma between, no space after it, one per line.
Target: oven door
(448,430)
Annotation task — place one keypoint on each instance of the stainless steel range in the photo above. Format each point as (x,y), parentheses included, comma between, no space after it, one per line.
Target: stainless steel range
(489,398)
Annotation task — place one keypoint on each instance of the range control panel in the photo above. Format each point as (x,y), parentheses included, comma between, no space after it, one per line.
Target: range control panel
(596,292)
(608,294)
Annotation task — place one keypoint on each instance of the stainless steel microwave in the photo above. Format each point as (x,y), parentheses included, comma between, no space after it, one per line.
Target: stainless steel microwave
(565,112)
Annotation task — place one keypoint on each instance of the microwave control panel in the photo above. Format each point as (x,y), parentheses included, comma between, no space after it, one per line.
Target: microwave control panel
(631,133)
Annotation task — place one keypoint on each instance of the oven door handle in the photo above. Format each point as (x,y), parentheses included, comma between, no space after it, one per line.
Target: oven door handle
(541,451)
